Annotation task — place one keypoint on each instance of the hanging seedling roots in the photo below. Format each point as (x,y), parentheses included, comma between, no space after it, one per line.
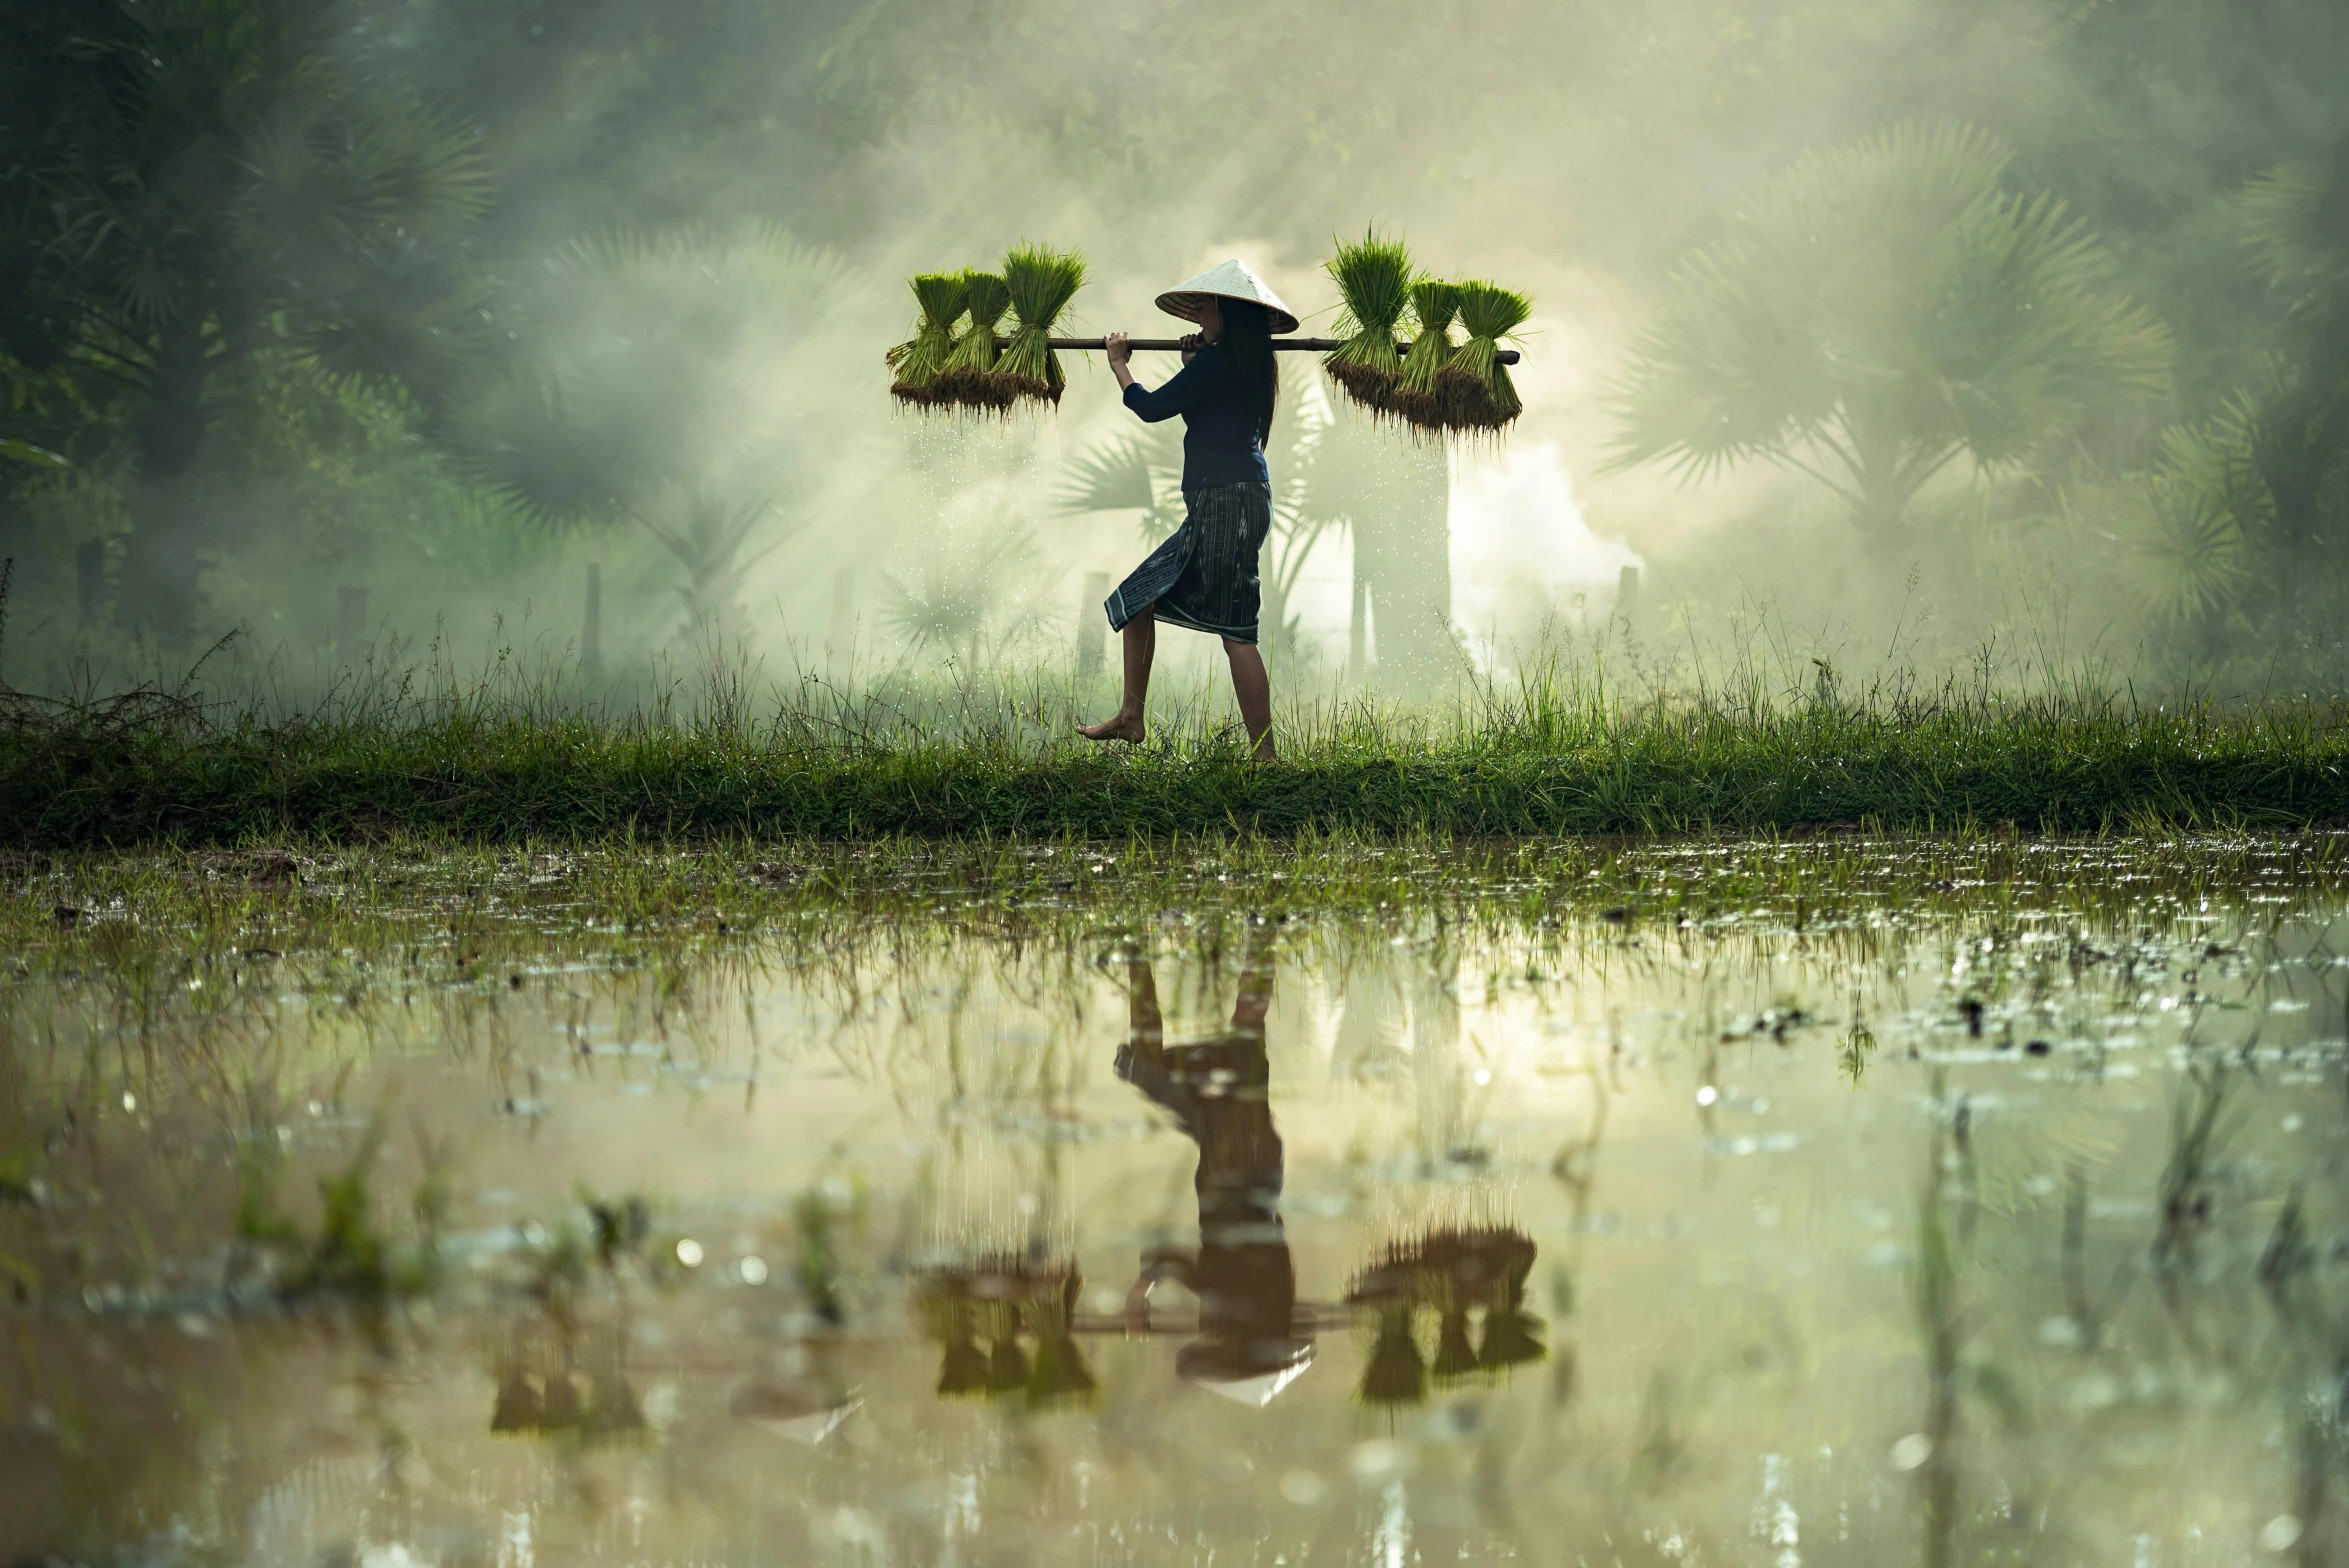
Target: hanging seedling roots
(1433,385)
(970,378)
(1373,276)
(917,363)
(1041,282)
(1474,391)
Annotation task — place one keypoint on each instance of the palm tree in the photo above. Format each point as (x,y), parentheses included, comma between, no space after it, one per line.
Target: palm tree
(196,183)
(2247,513)
(1879,311)
(677,384)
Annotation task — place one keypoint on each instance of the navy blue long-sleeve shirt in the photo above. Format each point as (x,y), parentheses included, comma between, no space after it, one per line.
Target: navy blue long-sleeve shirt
(1219,421)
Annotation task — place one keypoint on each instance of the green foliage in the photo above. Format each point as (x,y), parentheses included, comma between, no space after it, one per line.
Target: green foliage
(2246,523)
(15,451)
(657,374)
(1878,311)
(208,184)
(1041,282)
(1373,276)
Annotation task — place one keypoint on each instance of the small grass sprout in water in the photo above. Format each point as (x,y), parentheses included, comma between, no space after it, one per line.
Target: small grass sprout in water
(970,379)
(917,362)
(1474,388)
(1373,276)
(1041,282)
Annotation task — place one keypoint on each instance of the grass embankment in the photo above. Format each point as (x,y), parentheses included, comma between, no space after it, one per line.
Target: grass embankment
(156,770)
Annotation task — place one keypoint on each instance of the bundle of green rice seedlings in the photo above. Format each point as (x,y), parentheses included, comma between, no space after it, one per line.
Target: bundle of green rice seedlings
(942,296)
(1041,282)
(1476,392)
(969,378)
(1374,282)
(1418,394)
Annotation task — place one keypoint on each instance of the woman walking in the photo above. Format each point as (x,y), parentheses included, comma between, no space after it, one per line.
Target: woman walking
(1203,576)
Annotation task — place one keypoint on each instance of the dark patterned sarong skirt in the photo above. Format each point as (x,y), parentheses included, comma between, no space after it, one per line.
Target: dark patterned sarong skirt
(1203,575)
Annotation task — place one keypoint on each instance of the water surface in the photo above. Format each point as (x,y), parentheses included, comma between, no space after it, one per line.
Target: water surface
(1734,1203)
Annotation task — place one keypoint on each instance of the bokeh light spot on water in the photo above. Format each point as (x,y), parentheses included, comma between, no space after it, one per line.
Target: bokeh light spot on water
(1911,1452)
(2280,1534)
(689,1252)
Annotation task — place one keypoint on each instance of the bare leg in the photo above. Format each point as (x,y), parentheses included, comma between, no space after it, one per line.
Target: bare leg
(1254,689)
(1140,645)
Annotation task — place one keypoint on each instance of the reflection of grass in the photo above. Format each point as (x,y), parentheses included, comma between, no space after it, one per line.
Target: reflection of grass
(1548,756)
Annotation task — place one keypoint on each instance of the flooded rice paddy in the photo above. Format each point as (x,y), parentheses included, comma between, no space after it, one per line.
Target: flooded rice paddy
(1842,1203)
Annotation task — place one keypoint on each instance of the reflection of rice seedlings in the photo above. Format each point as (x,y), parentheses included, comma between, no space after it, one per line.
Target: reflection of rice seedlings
(1455,1270)
(980,1314)
(1512,1335)
(1419,391)
(962,1370)
(1059,1376)
(1455,1357)
(1373,277)
(942,297)
(1475,389)
(1007,1363)
(1394,1373)
(969,376)
(1041,282)
(541,1392)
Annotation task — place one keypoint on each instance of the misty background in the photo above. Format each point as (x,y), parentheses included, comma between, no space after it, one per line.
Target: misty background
(1922,334)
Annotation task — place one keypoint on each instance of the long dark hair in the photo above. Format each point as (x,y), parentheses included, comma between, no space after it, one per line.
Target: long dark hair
(1247,346)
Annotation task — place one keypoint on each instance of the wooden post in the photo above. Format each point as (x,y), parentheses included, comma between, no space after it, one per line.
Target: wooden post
(840,654)
(350,605)
(1627,595)
(1093,625)
(89,568)
(591,626)
(1358,627)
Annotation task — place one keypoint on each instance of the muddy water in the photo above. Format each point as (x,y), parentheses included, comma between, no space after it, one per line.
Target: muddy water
(1588,1218)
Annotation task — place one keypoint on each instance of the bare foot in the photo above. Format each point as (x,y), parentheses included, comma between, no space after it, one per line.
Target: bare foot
(1118,726)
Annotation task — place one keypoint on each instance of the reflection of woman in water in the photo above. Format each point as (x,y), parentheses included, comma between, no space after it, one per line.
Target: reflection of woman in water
(1248,1347)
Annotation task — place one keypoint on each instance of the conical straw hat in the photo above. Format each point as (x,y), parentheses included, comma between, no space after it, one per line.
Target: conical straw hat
(1230,280)
(1254,1392)
(1278,1363)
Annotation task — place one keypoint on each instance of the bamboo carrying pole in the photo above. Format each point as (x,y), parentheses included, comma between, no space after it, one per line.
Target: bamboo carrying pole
(1507,356)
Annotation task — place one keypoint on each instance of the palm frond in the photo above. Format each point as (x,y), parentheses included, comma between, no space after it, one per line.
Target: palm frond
(1893,285)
